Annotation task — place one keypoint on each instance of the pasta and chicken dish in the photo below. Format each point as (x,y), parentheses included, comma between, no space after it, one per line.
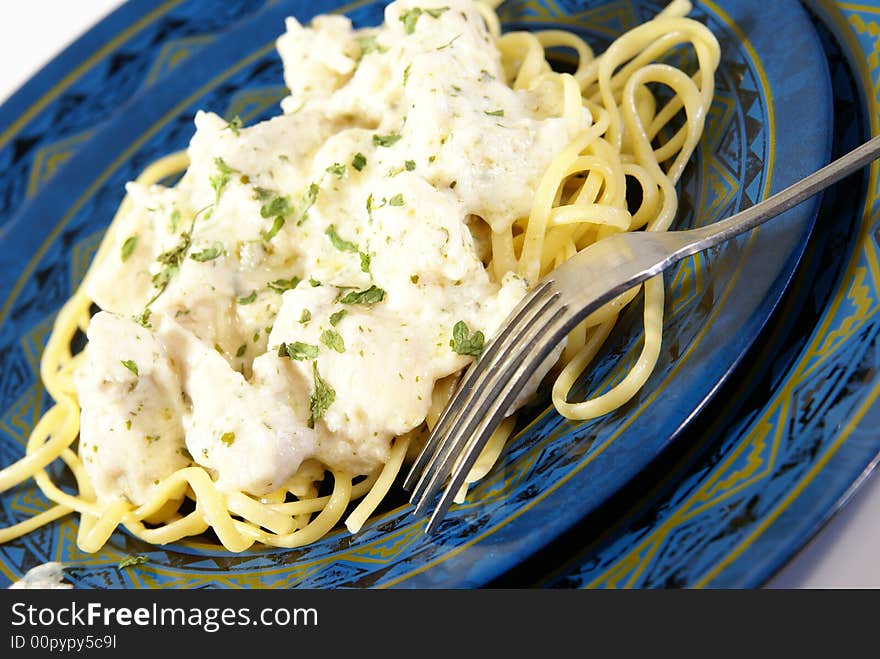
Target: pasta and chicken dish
(279,328)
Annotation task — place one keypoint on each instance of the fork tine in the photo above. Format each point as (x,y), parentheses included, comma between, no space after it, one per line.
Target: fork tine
(435,449)
(472,405)
(528,309)
(477,422)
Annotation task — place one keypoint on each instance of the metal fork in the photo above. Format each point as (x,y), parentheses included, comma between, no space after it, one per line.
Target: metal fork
(554,307)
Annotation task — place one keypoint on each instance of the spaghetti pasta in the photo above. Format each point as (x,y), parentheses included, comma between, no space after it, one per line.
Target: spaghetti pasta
(620,120)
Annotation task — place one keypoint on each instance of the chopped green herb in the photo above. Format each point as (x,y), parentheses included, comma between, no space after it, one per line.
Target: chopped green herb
(449,43)
(273,231)
(337,170)
(128,247)
(128,424)
(359,161)
(371,205)
(249,299)
(276,205)
(495,113)
(406,74)
(365,262)
(409,17)
(465,343)
(130,560)
(368,44)
(130,365)
(151,438)
(305,316)
(280,207)
(337,316)
(234,125)
(314,283)
(385,140)
(333,340)
(396,200)
(228,438)
(241,350)
(209,253)
(298,350)
(410,165)
(281,285)
(143,318)
(414,279)
(306,202)
(221,178)
(372,295)
(322,397)
(339,243)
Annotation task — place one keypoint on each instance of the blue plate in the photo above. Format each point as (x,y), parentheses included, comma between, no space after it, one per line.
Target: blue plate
(554,473)
(58,110)
(789,447)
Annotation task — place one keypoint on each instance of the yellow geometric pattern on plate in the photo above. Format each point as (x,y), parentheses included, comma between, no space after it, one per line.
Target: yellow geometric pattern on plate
(749,462)
(608,21)
(49,158)
(173,53)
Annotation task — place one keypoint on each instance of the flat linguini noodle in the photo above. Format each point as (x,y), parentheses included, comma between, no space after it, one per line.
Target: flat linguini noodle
(636,138)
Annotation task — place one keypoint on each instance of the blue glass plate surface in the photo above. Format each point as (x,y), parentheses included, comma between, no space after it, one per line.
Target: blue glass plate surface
(554,472)
(60,108)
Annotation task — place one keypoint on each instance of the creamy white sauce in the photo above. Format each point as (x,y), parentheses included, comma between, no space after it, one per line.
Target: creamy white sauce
(43,577)
(390,143)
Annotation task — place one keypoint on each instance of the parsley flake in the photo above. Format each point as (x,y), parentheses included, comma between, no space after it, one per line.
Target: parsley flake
(410,165)
(234,125)
(250,299)
(410,17)
(370,296)
(128,247)
(228,438)
(495,113)
(221,178)
(209,253)
(365,262)
(281,285)
(273,231)
(130,365)
(339,243)
(385,140)
(298,350)
(359,161)
(333,340)
(130,560)
(143,318)
(368,44)
(465,343)
(241,350)
(396,200)
(338,316)
(322,397)
(337,169)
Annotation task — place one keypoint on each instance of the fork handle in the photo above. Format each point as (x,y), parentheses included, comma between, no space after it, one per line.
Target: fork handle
(718,232)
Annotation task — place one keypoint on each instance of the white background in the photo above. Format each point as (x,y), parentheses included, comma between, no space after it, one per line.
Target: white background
(846,554)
